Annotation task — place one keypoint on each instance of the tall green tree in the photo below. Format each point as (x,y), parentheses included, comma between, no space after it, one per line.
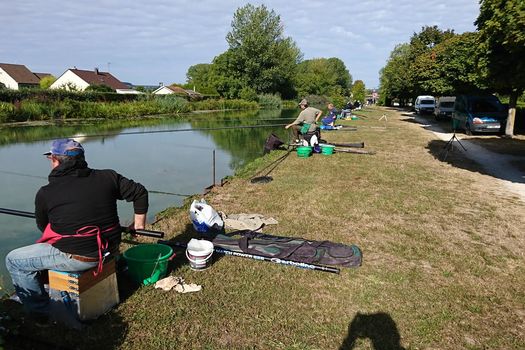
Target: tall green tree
(455,65)
(322,76)
(225,77)
(359,91)
(260,56)
(199,77)
(394,77)
(501,25)
(420,54)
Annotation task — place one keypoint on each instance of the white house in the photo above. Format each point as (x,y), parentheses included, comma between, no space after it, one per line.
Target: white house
(78,79)
(168,90)
(16,76)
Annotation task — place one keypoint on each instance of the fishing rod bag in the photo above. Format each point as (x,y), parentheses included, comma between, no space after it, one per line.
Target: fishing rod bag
(290,248)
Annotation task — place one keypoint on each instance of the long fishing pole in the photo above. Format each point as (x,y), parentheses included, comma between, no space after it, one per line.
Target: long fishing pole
(273,165)
(177,130)
(27,214)
(261,258)
(45,178)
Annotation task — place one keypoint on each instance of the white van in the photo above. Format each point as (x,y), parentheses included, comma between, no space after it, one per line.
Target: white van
(425,104)
(444,107)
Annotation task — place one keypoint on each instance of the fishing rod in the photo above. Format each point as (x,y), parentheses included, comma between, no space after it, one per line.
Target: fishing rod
(45,178)
(354,145)
(176,130)
(265,178)
(261,258)
(27,214)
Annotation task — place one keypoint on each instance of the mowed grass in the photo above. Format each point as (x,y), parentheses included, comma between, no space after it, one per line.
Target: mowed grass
(443,262)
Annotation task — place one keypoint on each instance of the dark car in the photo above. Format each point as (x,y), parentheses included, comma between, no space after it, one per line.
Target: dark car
(483,113)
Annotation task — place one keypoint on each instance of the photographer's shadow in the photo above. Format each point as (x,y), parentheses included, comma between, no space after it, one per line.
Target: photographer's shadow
(379,327)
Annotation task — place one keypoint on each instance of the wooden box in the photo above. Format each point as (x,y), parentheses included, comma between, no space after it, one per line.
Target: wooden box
(83,293)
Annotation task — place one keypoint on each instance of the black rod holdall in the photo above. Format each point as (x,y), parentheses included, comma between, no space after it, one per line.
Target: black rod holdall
(291,248)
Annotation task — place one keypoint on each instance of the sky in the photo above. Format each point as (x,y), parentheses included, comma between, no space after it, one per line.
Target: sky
(148,42)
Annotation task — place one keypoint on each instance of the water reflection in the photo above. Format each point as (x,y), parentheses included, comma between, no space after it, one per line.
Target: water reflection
(149,151)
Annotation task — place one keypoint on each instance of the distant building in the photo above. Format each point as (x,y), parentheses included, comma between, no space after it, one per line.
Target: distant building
(177,90)
(16,76)
(78,79)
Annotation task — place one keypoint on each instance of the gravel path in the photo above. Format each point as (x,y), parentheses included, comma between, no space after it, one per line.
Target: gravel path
(497,164)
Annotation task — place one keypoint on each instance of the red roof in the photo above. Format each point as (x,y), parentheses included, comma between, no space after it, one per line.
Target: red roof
(95,77)
(20,73)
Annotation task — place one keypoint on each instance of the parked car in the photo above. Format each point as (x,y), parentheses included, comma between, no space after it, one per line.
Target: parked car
(444,107)
(424,104)
(479,114)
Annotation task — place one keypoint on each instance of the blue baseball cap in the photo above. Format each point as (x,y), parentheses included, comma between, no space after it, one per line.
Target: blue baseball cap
(65,147)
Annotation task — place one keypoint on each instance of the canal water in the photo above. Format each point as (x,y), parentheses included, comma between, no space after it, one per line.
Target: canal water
(171,157)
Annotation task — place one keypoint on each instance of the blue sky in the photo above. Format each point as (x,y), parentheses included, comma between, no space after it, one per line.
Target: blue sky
(147,42)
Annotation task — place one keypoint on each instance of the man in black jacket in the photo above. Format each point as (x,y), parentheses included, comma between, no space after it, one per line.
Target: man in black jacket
(77,213)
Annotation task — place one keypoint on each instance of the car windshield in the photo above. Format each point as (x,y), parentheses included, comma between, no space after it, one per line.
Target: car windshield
(427,102)
(447,104)
(481,105)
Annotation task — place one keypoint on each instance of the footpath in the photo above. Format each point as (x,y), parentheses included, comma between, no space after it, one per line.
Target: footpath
(501,166)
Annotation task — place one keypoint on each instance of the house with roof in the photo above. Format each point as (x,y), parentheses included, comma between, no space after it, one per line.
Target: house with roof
(177,90)
(16,76)
(79,79)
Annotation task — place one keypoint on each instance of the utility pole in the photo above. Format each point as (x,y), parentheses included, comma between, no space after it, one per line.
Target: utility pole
(109,63)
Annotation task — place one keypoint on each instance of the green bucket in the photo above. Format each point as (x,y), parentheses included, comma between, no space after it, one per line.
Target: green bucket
(327,149)
(147,263)
(304,151)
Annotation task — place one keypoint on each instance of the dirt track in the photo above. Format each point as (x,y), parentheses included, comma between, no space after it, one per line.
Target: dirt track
(500,166)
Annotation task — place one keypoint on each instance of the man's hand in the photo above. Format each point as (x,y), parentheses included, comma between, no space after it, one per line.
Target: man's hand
(139,222)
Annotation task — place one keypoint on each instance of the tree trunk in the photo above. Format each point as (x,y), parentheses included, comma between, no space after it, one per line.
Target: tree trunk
(509,130)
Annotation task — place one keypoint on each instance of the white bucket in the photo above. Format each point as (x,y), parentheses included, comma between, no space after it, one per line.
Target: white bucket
(199,252)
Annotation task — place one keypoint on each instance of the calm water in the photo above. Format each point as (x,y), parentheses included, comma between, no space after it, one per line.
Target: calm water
(161,159)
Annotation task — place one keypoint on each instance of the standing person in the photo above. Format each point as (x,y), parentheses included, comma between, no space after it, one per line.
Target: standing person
(306,120)
(331,117)
(77,213)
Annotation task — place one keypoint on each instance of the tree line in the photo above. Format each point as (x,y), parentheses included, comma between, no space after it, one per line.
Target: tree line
(260,59)
(440,62)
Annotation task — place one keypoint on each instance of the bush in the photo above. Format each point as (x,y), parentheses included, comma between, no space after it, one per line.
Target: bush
(99,88)
(7,112)
(269,101)
(248,94)
(289,104)
(223,104)
(172,104)
(8,95)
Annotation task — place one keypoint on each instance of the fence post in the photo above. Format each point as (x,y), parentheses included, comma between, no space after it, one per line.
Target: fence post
(213,167)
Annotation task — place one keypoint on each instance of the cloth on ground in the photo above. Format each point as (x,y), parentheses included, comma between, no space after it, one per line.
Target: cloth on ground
(178,283)
(242,221)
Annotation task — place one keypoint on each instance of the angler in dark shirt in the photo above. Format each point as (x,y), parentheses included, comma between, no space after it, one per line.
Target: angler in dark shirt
(77,213)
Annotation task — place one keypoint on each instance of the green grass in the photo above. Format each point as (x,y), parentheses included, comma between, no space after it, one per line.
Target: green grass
(442,269)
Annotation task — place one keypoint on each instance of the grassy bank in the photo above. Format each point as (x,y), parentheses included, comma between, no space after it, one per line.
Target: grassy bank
(443,260)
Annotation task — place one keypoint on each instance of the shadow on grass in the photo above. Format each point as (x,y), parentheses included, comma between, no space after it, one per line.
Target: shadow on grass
(20,332)
(380,328)
(451,152)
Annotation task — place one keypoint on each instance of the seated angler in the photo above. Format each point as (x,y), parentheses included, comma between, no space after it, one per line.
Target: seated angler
(77,213)
(330,119)
(306,121)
